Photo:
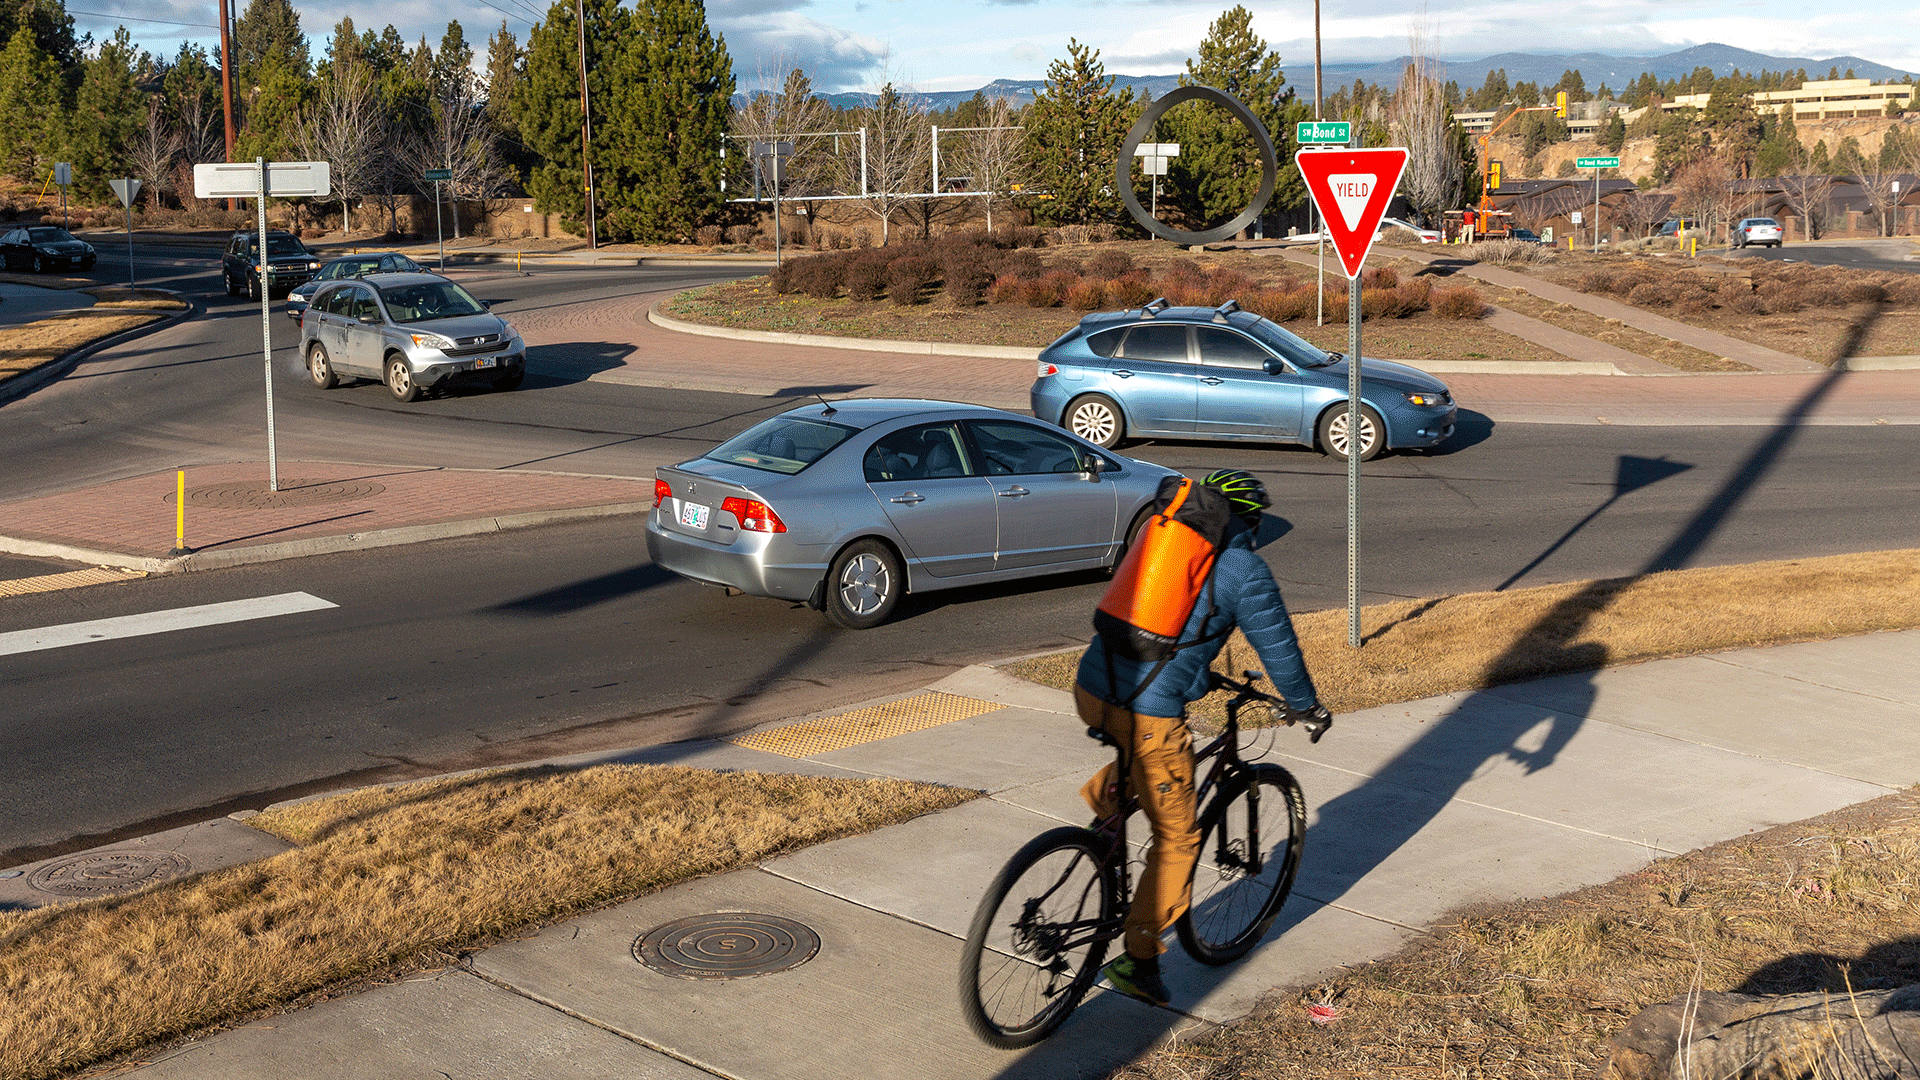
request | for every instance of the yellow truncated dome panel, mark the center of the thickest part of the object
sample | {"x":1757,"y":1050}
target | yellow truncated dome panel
{"x":818,"y":736}
{"x":71,"y":579}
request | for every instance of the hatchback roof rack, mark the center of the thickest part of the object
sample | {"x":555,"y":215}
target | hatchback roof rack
{"x":1220,"y":313}
{"x":1154,"y":307}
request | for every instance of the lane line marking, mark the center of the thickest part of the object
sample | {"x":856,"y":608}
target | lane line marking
{"x":159,"y":622}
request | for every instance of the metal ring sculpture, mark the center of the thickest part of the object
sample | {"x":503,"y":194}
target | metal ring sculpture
{"x":1123,"y":172}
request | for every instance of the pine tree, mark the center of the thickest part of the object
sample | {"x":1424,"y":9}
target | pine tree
{"x":265,"y":36}
{"x":1614,"y":136}
{"x":547,"y":104}
{"x":1074,"y":130}
{"x":506,"y":71}
{"x":671,"y":101}
{"x":106,"y":112}
{"x":51,"y":28}
{"x":1218,"y":171}
{"x":31,"y":112}
{"x":191,"y":88}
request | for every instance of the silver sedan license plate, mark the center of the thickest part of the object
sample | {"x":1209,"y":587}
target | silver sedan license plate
{"x":485,"y":361}
{"x":693,"y":515}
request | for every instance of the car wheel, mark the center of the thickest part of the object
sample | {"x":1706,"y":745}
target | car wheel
{"x":1096,"y":419}
{"x":400,"y":381}
{"x":320,"y":367}
{"x":864,"y":584}
{"x":253,"y":287}
{"x":39,"y":265}
{"x":1133,"y":536}
{"x":511,"y":380}
{"x":1333,"y":433}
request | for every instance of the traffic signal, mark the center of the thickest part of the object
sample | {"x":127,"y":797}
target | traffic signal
{"x":1560,"y":104}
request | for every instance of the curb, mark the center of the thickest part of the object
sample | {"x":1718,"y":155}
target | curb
{"x":28,"y":381}
{"x":319,"y":545}
{"x":992,"y":352}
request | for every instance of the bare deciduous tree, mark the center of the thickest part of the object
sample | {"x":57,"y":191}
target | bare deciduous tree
{"x":1638,"y":211}
{"x":1419,"y":119}
{"x":896,"y":162}
{"x":462,"y":140}
{"x":990,"y":158}
{"x":1808,"y":194}
{"x":1703,"y":191}
{"x":347,"y":128}
{"x":153,"y":151}
{"x":1876,"y":184}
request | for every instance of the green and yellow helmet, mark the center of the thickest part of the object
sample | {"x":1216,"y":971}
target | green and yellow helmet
{"x":1244,"y":492}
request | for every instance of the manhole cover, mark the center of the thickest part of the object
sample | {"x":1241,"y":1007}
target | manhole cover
{"x":101,"y":873}
{"x":728,"y":945}
{"x":258,"y":495}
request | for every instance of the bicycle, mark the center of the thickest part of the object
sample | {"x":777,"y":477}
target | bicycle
{"x":1042,"y":929}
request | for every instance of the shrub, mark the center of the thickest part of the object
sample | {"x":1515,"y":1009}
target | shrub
{"x":1047,"y":290}
{"x":819,"y":276}
{"x":1405,"y":298}
{"x":1184,"y":272}
{"x":1459,"y":302}
{"x":907,"y":275}
{"x":1131,"y":290}
{"x":966,"y":274}
{"x":1746,"y":303}
{"x":1006,"y":290}
{"x":781,"y":280}
{"x":1380,"y":277}
{"x":1650,"y":295}
{"x":1280,"y":304}
{"x":709,"y":235}
{"x":1865,"y":292}
{"x":1087,"y":294}
{"x":741,"y":234}
{"x":1225,"y":284}
{"x":866,"y":276}
{"x":1110,"y":265}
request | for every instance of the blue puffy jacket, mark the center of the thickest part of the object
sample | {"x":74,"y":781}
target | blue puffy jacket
{"x":1242,"y":593}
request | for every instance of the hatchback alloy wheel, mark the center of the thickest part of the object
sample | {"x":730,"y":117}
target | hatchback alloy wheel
{"x":1097,"y":420}
{"x":1333,"y":433}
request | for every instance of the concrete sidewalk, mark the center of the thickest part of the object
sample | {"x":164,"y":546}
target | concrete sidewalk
{"x":1414,"y":810}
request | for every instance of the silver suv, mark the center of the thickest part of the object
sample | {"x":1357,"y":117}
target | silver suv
{"x":415,"y":332}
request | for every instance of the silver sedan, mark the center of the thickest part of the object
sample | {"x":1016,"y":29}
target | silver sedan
{"x":847,"y":506}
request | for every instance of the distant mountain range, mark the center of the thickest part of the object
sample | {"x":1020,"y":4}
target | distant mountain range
{"x":1542,"y":68}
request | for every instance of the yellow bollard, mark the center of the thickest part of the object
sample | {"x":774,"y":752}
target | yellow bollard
{"x":180,"y":514}
{"x":516,"y":262}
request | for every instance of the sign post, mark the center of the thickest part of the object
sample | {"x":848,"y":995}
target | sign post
{"x":775,"y":155}
{"x":1351,"y":189}
{"x":219,"y":180}
{"x":439,"y":234}
{"x":1154,"y":156}
{"x":1596,"y":164}
{"x":63,"y":175}
{"x":128,"y":190}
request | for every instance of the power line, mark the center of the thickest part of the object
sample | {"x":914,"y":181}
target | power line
{"x":163,"y":22}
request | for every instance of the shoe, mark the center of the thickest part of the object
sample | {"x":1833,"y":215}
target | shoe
{"x":1137,"y":978}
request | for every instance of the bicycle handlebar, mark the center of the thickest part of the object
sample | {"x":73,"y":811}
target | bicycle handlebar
{"x":1277,"y":707}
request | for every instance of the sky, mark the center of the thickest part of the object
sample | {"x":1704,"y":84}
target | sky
{"x":964,"y":44}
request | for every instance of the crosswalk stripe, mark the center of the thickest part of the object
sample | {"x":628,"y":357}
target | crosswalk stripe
{"x":159,"y":622}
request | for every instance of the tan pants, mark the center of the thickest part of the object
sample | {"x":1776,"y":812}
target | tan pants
{"x":1160,"y":751}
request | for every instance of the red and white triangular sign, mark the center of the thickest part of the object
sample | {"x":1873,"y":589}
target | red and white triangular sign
{"x":1352,"y":188}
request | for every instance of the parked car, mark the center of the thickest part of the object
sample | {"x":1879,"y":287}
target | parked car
{"x":1526,"y":235}
{"x":1226,"y":374}
{"x":1757,"y":230}
{"x":349,"y":266}
{"x":415,"y":332}
{"x":850,"y":505}
{"x":289,"y":263}
{"x":40,"y":248}
{"x":1427,"y":236}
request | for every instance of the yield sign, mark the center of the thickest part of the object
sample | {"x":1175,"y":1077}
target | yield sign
{"x":1351,"y":188}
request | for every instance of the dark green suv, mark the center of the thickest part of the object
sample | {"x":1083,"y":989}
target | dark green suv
{"x":289,"y":263}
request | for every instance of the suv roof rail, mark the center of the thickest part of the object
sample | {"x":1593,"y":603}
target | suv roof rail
{"x":1220,"y":313}
{"x":1154,"y":307}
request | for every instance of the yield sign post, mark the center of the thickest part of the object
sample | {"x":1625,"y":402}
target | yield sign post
{"x":1351,"y":188}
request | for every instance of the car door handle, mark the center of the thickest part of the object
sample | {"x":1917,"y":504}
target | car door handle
{"x":1014,"y":492}
{"x":1212,"y":380}
{"x":909,"y":498}
{"x":1123,"y":374}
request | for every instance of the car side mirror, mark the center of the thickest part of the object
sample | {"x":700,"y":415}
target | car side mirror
{"x":369,"y":319}
{"x":1276,"y":366}
{"x":1095,"y":466}
{"x":486,"y":305}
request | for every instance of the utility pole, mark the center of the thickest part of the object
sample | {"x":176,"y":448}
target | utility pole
{"x":586,"y":125}
{"x":226,"y":87}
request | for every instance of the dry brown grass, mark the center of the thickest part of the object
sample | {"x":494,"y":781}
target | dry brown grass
{"x":385,"y":874}
{"x":1612,"y":331}
{"x":1534,"y":989}
{"x":1422,"y":648}
{"x":23,"y":348}
{"x":120,"y":296}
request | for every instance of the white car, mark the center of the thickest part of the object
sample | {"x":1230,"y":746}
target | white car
{"x":1387,"y":225}
{"x":1757,"y":230}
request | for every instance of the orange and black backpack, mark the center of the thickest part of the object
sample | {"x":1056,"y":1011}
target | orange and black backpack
{"x":1160,"y":579}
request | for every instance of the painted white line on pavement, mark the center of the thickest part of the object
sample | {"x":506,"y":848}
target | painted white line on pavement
{"x":159,"y":622}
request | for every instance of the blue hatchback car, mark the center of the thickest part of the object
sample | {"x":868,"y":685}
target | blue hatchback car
{"x":1227,"y":374}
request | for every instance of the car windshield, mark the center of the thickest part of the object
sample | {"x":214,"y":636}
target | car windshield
{"x":49,"y":236}
{"x":1293,"y":349}
{"x":784,"y":444}
{"x":280,"y":245}
{"x":429,"y":300}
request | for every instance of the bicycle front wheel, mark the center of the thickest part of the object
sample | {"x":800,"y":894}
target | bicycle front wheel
{"x":1038,"y":938}
{"x":1251,"y":834}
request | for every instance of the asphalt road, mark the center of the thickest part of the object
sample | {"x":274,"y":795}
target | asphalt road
{"x":522,"y":645}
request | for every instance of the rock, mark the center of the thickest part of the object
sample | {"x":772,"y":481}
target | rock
{"x":1872,"y":1035}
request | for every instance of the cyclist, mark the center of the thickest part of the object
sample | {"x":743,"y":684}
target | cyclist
{"x":1152,"y":732}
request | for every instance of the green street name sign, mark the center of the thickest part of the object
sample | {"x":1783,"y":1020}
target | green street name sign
{"x":447,"y":174}
{"x":1597,"y":163}
{"x":1316,"y":131}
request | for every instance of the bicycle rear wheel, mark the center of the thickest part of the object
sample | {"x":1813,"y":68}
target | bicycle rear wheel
{"x":1038,"y":938}
{"x":1251,"y":834}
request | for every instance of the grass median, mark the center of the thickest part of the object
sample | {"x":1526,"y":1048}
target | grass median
{"x":1423,"y":648}
{"x":391,"y":877}
{"x":116,"y":310}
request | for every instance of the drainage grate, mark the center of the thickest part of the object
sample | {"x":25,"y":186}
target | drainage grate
{"x":809,"y":737}
{"x":727,"y":945}
{"x":293,"y":493}
{"x":103,"y":873}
